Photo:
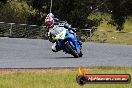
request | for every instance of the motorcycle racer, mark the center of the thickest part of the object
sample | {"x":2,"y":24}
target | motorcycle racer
{"x":54,"y":27}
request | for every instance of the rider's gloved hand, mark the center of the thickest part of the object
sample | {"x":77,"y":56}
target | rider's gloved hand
{"x":73,"y":29}
{"x":67,"y":26}
{"x":51,"y":37}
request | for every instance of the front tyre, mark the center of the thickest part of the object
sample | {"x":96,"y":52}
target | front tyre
{"x":72,"y":51}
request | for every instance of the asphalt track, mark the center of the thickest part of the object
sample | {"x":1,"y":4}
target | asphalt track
{"x":36,"y":53}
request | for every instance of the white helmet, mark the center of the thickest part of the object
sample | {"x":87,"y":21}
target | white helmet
{"x":50,"y":15}
{"x":49,"y":21}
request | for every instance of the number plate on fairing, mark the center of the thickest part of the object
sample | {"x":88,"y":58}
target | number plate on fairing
{"x":61,"y":35}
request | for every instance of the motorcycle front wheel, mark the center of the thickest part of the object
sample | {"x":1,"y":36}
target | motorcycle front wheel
{"x":72,"y":51}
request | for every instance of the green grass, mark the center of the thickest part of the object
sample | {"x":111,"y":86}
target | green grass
{"x":109,"y":37}
{"x":128,"y":25}
{"x":60,"y":79}
{"x":105,"y":32}
{"x":104,"y":25}
{"x":112,"y":37}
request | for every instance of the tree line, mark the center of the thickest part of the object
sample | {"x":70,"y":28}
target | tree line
{"x":75,"y":12}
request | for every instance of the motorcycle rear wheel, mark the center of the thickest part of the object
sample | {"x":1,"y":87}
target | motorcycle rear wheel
{"x":80,"y":54}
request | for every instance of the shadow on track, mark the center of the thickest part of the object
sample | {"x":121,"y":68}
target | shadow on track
{"x":62,"y":57}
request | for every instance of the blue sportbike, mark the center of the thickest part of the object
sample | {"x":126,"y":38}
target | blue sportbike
{"x":68,"y":43}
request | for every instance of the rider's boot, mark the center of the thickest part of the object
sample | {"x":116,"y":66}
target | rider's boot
{"x":54,"y":50}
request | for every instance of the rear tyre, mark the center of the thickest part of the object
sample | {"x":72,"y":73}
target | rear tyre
{"x":72,"y":51}
{"x":80,"y":54}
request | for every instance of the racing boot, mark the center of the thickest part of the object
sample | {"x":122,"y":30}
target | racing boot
{"x":54,"y":50}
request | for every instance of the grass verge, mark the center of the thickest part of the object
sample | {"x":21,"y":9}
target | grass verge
{"x":113,"y":37}
{"x":106,"y":28}
{"x":62,"y":78}
{"x":110,"y":37}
